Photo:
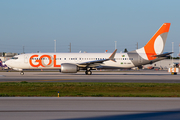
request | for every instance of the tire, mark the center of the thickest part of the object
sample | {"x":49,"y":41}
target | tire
{"x":88,"y":72}
{"x":21,"y":73}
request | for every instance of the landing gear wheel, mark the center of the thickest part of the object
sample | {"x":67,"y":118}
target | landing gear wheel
{"x":88,"y":72}
{"x":21,"y":73}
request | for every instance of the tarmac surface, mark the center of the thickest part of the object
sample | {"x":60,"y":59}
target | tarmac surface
{"x":88,"y":108}
{"x":146,"y":76}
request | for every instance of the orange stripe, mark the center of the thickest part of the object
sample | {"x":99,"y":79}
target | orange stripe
{"x":149,"y":47}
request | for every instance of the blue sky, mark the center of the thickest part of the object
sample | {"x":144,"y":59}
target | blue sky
{"x":89,"y":25}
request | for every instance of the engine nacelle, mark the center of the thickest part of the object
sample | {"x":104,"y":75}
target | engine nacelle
{"x":69,"y":68}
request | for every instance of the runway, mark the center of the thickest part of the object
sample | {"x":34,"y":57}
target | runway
{"x":87,"y":108}
{"x":130,"y":76}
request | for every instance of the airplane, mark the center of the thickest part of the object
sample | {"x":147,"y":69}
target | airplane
{"x":74,"y":62}
{"x":4,"y":66}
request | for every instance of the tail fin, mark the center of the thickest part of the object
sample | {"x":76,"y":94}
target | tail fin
{"x":156,"y":44}
{"x":1,"y":65}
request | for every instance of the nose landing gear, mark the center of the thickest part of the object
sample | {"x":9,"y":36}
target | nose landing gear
{"x":21,"y":73}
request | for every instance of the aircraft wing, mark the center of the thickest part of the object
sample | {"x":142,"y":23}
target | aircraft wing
{"x":162,"y":55}
{"x":99,"y":61}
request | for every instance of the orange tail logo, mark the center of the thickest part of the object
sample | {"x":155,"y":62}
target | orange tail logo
{"x":156,"y":44}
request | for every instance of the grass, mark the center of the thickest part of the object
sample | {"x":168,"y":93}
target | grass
{"x":90,"y":89}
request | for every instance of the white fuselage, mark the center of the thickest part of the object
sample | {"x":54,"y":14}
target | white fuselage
{"x":54,"y":60}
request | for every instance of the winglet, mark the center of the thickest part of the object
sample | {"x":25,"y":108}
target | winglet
{"x":112,"y":55}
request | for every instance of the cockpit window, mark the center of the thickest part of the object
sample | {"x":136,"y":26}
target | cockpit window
{"x":14,"y":57}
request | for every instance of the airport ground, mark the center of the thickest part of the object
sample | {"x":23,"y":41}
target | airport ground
{"x":142,"y":76}
{"x":87,"y":108}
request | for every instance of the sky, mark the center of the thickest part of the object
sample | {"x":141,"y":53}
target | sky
{"x":89,"y":25}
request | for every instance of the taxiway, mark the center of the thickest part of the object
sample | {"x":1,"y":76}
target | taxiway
{"x":130,"y":76}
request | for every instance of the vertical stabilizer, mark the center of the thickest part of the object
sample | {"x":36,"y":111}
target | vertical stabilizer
{"x":156,"y":44}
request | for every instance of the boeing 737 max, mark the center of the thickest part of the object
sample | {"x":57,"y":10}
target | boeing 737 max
{"x":74,"y":62}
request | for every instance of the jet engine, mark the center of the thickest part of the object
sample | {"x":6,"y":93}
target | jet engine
{"x":69,"y":68}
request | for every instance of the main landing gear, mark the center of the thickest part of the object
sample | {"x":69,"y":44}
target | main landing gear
{"x":21,"y":73}
{"x":88,"y":72}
